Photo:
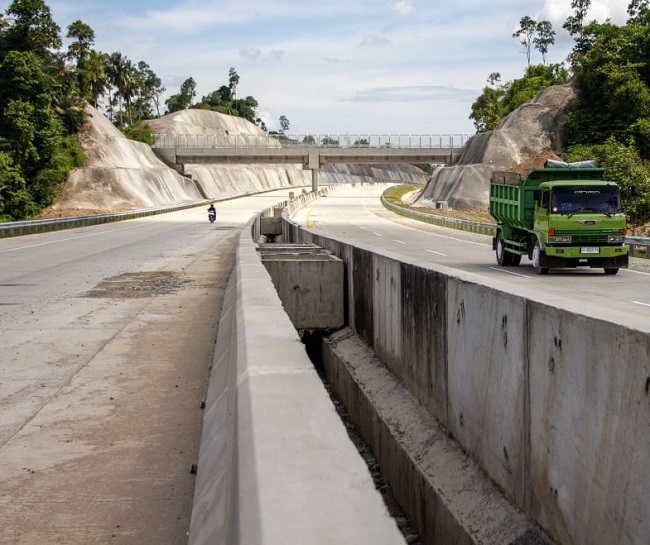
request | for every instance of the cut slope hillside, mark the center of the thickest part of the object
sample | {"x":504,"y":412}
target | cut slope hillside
{"x":120,"y":173}
{"x":530,"y":133}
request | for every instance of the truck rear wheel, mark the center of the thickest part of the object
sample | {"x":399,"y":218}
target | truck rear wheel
{"x":503,"y":257}
{"x":537,"y":257}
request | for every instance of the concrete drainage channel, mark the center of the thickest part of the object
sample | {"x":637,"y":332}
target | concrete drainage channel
{"x":310,"y":283}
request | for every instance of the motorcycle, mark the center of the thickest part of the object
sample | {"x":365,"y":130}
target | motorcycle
{"x":212,"y":215}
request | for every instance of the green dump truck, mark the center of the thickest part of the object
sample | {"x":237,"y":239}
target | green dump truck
{"x":562,"y":215}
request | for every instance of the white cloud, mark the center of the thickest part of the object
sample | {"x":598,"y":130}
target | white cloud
{"x":402,"y":7}
{"x":557,"y":11}
{"x":255,"y":54}
{"x":374,"y":41}
{"x":412,"y":94}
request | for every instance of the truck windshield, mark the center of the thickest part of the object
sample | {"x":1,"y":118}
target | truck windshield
{"x":575,"y":199}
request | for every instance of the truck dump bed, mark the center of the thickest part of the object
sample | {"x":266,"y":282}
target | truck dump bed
{"x":506,"y":196}
{"x":511,"y":197}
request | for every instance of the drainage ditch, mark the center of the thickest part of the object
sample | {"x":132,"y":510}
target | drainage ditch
{"x":313,"y":341}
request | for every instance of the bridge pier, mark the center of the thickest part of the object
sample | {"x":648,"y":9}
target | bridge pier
{"x":313,"y":164}
{"x":314,"y":180}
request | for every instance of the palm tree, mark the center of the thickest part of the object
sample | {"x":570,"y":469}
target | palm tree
{"x":120,"y":71}
{"x":96,"y":75}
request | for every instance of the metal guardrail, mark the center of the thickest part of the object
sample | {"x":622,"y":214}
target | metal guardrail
{"x":411,"y":141}
{"x":29,"y":227}
{"x":632,"y":242}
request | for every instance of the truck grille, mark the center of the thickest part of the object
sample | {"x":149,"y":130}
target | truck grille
{"x":582,"y":238}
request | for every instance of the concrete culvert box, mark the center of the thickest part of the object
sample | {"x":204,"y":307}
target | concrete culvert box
{"x":271,"y":226}
{"x":309,"y":281}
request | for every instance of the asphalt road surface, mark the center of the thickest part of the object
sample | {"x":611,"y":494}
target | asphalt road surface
{"x":107,"y":335}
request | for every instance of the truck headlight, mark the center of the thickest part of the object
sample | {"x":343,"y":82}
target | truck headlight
{"x":615,"y":239}
{"x":559,"y":240}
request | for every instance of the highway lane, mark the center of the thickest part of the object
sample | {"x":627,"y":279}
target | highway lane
{"x":39,"y":269}
{"x":356,"y":216}
{"x":106,"y":339}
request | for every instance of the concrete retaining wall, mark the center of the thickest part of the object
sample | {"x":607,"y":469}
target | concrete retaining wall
{"x":553,"y":405}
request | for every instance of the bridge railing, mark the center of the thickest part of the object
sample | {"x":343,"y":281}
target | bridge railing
{"x":411,"y":141}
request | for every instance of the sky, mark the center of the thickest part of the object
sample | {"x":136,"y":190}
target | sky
{"x":333,"y":66}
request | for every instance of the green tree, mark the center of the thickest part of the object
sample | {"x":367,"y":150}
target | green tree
{"x":614,"y":84}
{"x":635,"y":7}
{"x":536,"y":77}
{"x":139,"y":131}
{"x":623,"y":164}
{"x":149,"y":92}
{"x":246,"y":107}
{"x":486,"y":109}
{"x":525,"y":34}
{"x":233,"y":81}
{"x":32,"y":135}
{"x":95,"y":75}
{"x":224,"y":100}
{"x":15,"y":199}
{"x":284,"y":124}
{"x":182,"y":100}
{"x":115,"y":74}
{"x":575,"y":26}
{"x":544,"y":37}
{"x":32,"y":28}
{"x":83,"y":37}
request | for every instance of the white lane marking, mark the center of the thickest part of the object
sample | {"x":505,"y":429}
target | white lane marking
{"x":399,"y":241}
{"x":636,"y":272}
{"x":437,"y":253}
{"x":72,"y":238}
{"x":640,"y":303}
{"x":485,"y":245}
{"x":350,"y":222}
{"x":498,"y":269}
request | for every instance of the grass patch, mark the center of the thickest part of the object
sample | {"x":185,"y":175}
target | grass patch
{"x":394,"y":196}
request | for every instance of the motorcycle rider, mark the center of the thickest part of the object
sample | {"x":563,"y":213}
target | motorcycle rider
{"x":212,"y":210}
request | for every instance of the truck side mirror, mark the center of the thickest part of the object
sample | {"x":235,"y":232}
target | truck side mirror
{"x":537,"y":195}
{"x":634,"y":191}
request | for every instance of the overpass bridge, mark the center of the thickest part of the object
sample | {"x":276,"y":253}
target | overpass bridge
{"x":313,"y":152}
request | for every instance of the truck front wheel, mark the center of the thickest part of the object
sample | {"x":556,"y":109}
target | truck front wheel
{"x":611,"y":271}
{"x":537,"y":257}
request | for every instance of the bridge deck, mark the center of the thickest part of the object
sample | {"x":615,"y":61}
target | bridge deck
{"x":311,"y":152}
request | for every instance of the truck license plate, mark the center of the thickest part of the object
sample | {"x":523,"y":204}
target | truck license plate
{"x":589,"y":250}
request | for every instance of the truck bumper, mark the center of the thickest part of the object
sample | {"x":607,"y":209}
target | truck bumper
{"x":601,"y":262}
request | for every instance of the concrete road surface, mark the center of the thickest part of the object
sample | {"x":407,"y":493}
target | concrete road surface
{"x":107,"y":335}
